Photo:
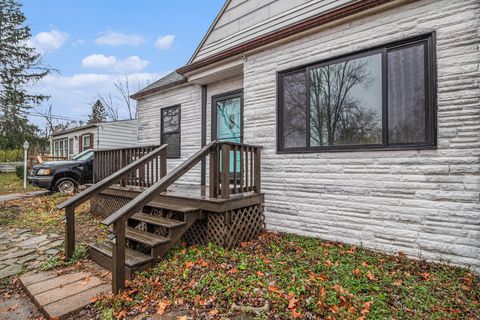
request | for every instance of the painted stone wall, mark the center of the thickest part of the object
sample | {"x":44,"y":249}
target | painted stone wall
{"x":424,"y":203}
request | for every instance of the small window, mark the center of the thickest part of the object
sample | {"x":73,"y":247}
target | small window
{"x":86,"y":142}
{"x":379,"y":98}
{"x":55,"y":148}
{"x":63,"y":148}
{"x":70,"y":146}
{"x":170,"y":130}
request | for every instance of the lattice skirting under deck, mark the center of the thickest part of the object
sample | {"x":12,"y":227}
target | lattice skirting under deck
{"x":228,"y":229}
{"x":103,"y":205}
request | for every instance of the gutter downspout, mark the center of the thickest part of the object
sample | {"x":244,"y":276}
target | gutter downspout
{"x":98,"y":137}
{"x":203,"y":167}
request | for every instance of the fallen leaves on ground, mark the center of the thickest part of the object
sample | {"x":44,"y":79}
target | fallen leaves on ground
{"x":41,"y":214}
{"x":162,"y":306}
{"x":300,"y":278}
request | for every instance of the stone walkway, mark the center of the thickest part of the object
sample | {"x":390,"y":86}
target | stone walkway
{"x":22,"y":250}
{"x":16,"y":196}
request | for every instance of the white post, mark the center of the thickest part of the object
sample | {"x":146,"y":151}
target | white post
{"x":25,"y":148}
{"x":25,"y":169}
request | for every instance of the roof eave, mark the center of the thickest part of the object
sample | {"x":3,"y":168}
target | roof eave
{"x":148,"y":92}
{"x":74,"y":129}
{"x":281,"y":34}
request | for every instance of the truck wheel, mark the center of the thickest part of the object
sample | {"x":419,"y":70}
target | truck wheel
{"x":66,"y":185}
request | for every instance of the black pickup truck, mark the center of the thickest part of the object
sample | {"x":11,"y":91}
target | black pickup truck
{"x":64,"y":176}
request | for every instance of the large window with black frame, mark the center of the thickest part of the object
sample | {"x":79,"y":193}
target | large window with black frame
{"x":383,"y":98}
{"x":170,"y":130}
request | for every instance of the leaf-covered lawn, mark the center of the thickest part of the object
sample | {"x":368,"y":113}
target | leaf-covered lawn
{"x":300,"y":277}
{"x":10,"y":183}
{"x":41,"y":214}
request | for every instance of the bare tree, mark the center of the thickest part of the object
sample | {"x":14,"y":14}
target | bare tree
{"x":337,"y":117}
{"x":56,"y":123}
{"x":49,"y":119}
{"x":121,"y":100}
{"x":110,"y":106}
{"x":123,"y":88}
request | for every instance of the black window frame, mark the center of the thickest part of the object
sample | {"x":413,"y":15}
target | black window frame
{"x":162,"y":133}
{"x":430,"y":99}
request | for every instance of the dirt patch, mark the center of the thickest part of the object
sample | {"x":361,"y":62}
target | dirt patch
{"x":15,"y":303}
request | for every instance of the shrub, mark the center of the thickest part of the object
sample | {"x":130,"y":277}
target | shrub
{"x":19,"y":171}
{"x":11,"y":155}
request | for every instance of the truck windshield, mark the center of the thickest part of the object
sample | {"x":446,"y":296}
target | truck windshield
{"x":85,"y":155}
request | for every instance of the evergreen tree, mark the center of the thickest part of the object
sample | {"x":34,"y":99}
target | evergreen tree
{"x":20,"y":67}
{"x":99,"y":113}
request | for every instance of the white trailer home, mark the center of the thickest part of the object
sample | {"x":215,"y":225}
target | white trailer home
{"x":368,"y":112}
{"x":105,"y":135}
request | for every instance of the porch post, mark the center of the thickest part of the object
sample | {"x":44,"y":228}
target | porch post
{"x":69,"y":231}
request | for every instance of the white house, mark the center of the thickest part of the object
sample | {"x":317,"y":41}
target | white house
{"x":113,"y":134}
{"x":368,"y":112}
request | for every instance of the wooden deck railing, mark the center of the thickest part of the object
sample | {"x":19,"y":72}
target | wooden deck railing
{"x":108,"y":161}
{"x":244,"y":174}
{"x":157,"y":156}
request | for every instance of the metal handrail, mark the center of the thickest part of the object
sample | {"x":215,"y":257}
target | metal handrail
{"x":110,"y":180}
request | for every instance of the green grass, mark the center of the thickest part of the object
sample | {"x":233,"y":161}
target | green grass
{"x":10,"y":183}
{"x":41,"y":214}
{"x":56,"y":261}
{"x":38,"y":213}
{"x":305,"y":278}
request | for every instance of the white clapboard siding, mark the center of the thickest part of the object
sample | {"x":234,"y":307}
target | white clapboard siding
{"x":244,"y":20}
{"x":189,"y":99}
{"x":116,"y":134}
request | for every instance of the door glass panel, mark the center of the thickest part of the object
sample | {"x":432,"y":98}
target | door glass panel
{"x":229,"y":125}
{"x":228,"y":119}
{"x":171,"y":120}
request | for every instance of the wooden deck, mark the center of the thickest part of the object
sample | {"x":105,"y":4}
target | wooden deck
{"x":150,"y":210}
{"x":191,"y":195}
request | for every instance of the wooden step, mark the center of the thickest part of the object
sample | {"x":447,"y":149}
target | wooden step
{"x":147,"y":238}
{"x":158,"y":221}
{"x":101,"y":253}
{"x":133,"y":258}
{"x":172,"y":207}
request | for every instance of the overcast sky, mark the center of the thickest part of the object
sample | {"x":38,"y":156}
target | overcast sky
{"x":93,"y":42}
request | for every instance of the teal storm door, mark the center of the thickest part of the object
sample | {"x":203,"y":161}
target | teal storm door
{"x":227,"y":120}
